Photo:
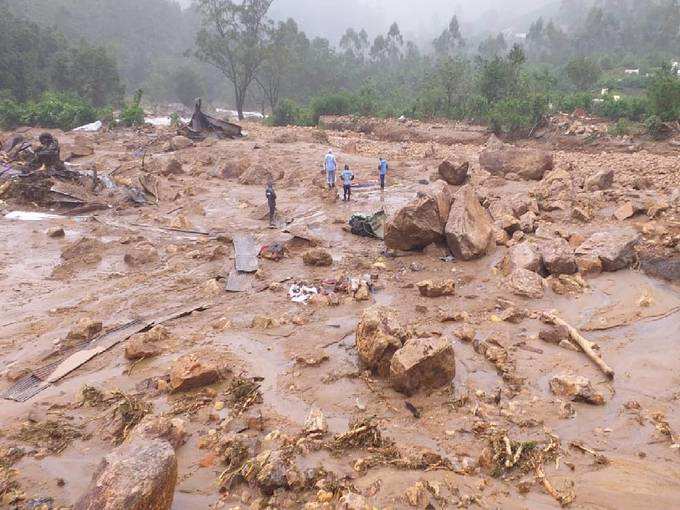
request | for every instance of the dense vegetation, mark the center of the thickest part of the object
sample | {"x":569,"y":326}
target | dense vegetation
{"x":508,"y":80}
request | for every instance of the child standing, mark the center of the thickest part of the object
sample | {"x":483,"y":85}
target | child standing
{"x":347,"y":178}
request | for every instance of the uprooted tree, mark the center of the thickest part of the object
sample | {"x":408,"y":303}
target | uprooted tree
{"x":234,"y":40}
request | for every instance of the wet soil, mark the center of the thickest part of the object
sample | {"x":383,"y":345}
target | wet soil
{"x":308,"y":358}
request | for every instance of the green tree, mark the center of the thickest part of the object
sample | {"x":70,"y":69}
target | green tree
{"x":234,"y":40}
{"x":663,"y":93}
{"x":186,"y":85}
{"x":583,"y":72}
{"x":450,"y":40}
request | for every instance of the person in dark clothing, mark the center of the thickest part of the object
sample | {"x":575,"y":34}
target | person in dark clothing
{"x":271,"y":201}
{"x":382,"y":169}
{"x":48,"y":154}
{"x":347,"y":177}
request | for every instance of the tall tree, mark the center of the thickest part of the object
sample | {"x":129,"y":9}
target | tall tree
{"x":234,"y":40}
{"x":450,"y":39}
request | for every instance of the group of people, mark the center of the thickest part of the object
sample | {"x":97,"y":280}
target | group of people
{"x":330,"y":166}
{"x":346,"y":176}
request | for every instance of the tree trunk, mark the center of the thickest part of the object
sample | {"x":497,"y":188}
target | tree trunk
{"x":240,"y":98}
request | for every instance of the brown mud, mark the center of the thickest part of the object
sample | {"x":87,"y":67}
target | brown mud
{"x":306,"y":357}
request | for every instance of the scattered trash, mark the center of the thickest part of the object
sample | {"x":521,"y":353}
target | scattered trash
{"x":301,"y":293}
{"x":90,"y":128}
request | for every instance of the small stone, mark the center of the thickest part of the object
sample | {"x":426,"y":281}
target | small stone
{"x":523,"y":282}
{"x":180,"y":142}
{"x":466,"y":334}
{"x":317,"y":257}
{"x":422,"y":363}
{"x":85,"y":329}
{"x":604,"y":179}
{"x":431,"y":289}
{"x":56,"y":232}
{"x":624,"y":212}
{"x":316,"y":424}
{"x":589,"y":264}
{"x":192,"y":371}
{"x":378,"y":336}
{"x":577,"y":388}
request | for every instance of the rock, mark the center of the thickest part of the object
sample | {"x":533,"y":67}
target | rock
{"x":527,"y":222}
{"x":141,"y":255}
{"x":140,"y":475}
{"x":422,"y":363}
{"x":378,"y":336}
{"x":527,"y":163}
{"x":466,"y":334}
{"x":615,"y":248}
{"x":415,"y":225}
{"x":604,"y":179}
{"x":523,"y":282}
{"x":454,"y":173}
{"x":181,"y":222}
{"x":259,"y":174}
{"x":558,"y":256}
{"x":523,"y":256}
{"x":554,"y":334}
{"x":180,"y":142}
{"x":353,"y":501}
{"x":624,"y":212}
{"x":191,"y":371}
{"x":316,"y":422}
{"x":317,"y":257}
{"x":160,"y":427}
{"x":581,"y":214}
{"x":55,"y":233}
{"x":469,"y":230}
{"x":174,"y":167}
{"x":444,"y":196}
{"x":363,"y":292}
{"x":272,"y":475}
{"x":577,"y":388}
{"x":85,"y":329}
{"x":145,"y":345}
{"x":589,"y":264}
{"x":431,"y":289}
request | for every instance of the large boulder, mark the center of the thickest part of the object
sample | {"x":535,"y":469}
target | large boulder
{"x":139,"y":475}
{"x":415,"y":225}
{"x":455,"y":173}
{"x":469,"y":230}
{"x":527,"y":163}
{"x":422,"y":363}
{"x":615,"y":248}
{"x":523,"y":256}
{"x":378,"y":336}
{"x":558,"y":256}
{"x":525,"y":283}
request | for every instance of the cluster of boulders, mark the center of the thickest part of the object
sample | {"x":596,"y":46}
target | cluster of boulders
{"x":443,"y":215}
{"x":389,"y":350}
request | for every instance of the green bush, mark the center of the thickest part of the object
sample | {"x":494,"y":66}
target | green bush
{"x":631,"y":108}
{"x":655,"y":127}
{"x":286,"y":113}
{"x":53,"y":110}
{"x":664,"y":94}
{"x":332,"y":104}
{"x":133,"y":113}
{"x":621,"y":128}
{"x":517,"y":115}
{"x":571,"y":102}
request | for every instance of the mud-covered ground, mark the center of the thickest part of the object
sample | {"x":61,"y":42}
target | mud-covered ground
{"x":147,"y":262}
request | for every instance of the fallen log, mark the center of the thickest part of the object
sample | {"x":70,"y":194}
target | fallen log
{"x":585,"y":345}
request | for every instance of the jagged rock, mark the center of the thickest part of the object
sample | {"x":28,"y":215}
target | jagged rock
{"x":139,"y":475}
{"x":504,"y":217}
{"x":624,"y":212}
{"x":192,"y":371}
{"x":581,"y":214}
{"x":140,"y":255}
{"x":558,"y":256}
{"x":523,"y":256}
{"x":180,"y":142}
{"x":160,"y":427}
{"x":615,"y":248}
{"x":469,"y":230}
{"x":146,"y":345}
{"x":589,"y":264}
{"x":317,"y":257}
{"x":56,"y":232}
{"x":577,"y":388}
{"x":272,"y":475}
{"x":260,"y":174}
{"x":431,"y":289}
{"x":444,"y":196}
{"x":173,"y":167}
{"x":523,"y":282}
{"x":416,"y":225}
{"x":466,"y":334}
{"x":422,"y":363}
{"x":378,"y":336}
{"x":316,"y":422}
{"x":454,"y":173}
{"x":604,"y":179}
{"x":527,"y":163}
{"x":85,"y":329}
{"x":527,"y":222}
{"x":354,"y":501}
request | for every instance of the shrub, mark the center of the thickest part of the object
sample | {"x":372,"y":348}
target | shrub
{"x":286,"y":113}
{"x":621,"y":128}
{"x":631,"y":108}
{"x":655,"y":127}
{"x":331,"y":104}
{"x":518,"y":114}
{"x":664,"y":94}
{"x":133,"y":113}
{"x":53,"y":110}
{"x":571,"y":102}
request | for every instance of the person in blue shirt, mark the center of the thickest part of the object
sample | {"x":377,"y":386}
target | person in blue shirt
{"x":347,"y":177}
{"x":382,"y":169}
{"x":331,"y":165}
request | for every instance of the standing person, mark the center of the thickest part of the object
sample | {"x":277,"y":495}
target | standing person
{"x":331,"y":165}
{"x":271,"y":201}
{"x":382,"y":169}
{"x":347,"y":178}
